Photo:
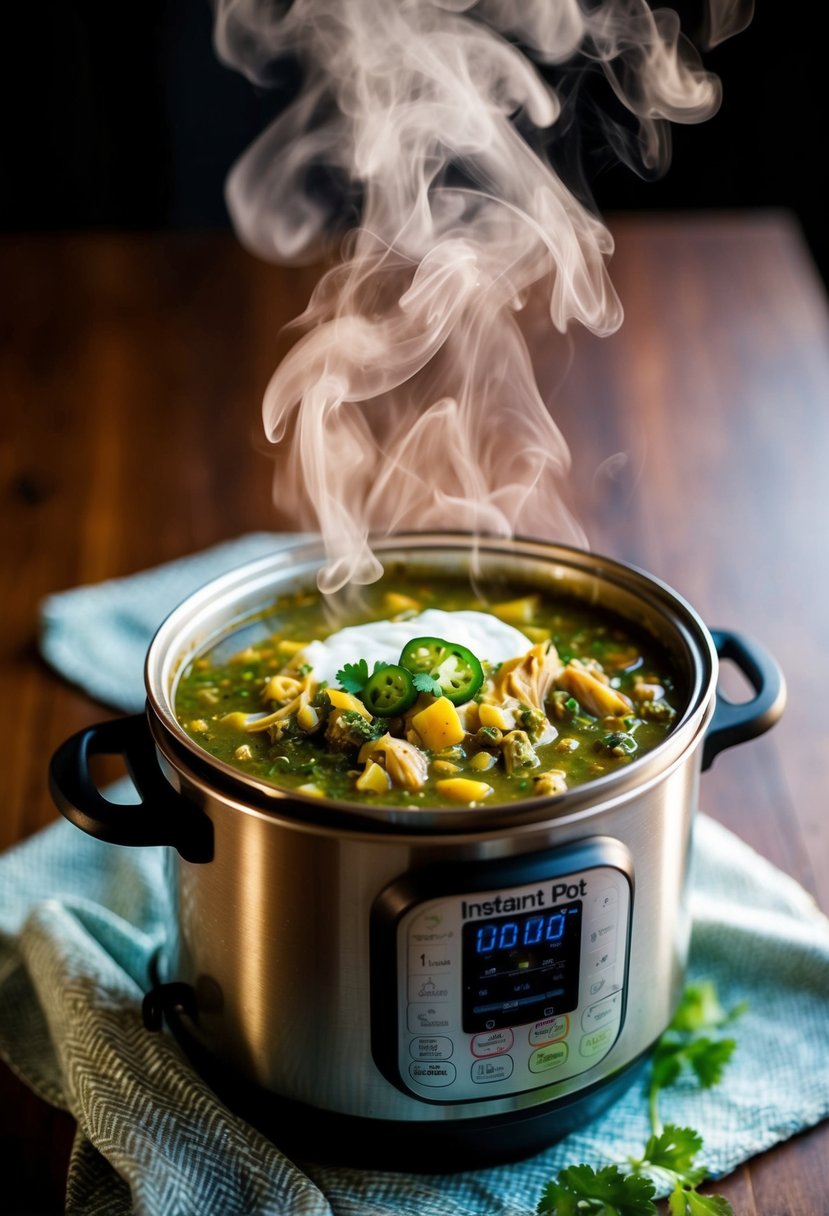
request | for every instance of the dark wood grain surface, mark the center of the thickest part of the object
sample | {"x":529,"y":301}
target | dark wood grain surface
{"x":130,"y":384}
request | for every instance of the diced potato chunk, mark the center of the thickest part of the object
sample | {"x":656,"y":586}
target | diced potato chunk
{"x":310,"y":788}
{"x":536,"y":633}
{"x":287,"y":647}
{"x":243,"y":752}
{"x":463,"y":789}
{"x":517,"y":612}
{"x":341,"y":699}
{"x":374,"y":779}
{"x":495,"y":715}
{"x":438,"y":725}
{"x":396,"y":602}
{"x":483,"y":761}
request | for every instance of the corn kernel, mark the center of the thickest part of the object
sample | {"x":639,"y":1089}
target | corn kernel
{"x":445,"y":766}
{"x":307,"y":717}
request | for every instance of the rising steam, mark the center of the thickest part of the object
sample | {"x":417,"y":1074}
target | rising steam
{"x":410,"y":402}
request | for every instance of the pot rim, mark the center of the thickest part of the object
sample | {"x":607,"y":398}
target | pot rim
{"x":203,"y":617}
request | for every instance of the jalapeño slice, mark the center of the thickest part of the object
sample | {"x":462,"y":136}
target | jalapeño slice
{"x":389,"y":691}
{"x":453,"y":666}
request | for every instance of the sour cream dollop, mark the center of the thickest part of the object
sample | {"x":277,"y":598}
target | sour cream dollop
{"x":488,"y":638}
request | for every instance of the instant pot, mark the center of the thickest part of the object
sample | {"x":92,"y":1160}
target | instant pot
{"x":338,"y":972}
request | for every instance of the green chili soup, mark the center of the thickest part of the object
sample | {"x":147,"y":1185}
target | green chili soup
{"x":431,"y":696}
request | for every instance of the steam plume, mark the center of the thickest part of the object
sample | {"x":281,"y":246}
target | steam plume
{"x":410,"y":401}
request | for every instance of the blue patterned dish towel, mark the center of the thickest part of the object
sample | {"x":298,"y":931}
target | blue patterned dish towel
{"x":80,"y":921}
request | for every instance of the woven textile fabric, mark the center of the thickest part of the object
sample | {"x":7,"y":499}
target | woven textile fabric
{"x":80,"y":921}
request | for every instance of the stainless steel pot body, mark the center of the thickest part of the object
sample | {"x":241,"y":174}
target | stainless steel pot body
{"x":295,"y":916}
{"x":274,"y":938}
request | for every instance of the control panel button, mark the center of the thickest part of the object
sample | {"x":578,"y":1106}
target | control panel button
{"x":598,"y":959}
{"x":604,"y":903}
{"x":597,"y":1042}
{"x":486,"y":1072}
{"x":603,"y":983}
{"x":607,"y":1010}
{"x":552,"y":1056}
{"x":492,"y":1042}
{"x":423,"y":1018}
{"x":548,"y":1030}
{"x":432,"y":926}
{"x":431,"y":1047}
{"x":600,"y":933}
{"x":432,"y":988}
{"x":436,"y":1074}
{"x":433,"y":960}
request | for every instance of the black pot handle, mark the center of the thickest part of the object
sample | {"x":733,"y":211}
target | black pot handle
{"x":737,"y":721}
{"x":162,"y":816}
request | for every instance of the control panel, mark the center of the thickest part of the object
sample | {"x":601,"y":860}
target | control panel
{"x":499,"y":989}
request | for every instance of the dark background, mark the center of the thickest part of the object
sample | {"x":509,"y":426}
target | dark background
{"x":118,"y":115}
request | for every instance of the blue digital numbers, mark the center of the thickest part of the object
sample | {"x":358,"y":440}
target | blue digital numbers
{"x":528,"y":931}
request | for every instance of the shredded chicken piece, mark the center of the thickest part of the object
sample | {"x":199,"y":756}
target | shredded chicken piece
{"x":648,"y":690}
{"x":518,"y":752}
{"x":282,"y":688}
{"x":597,"y":697}
{"x":551,"y":783}
{"x":254,"y":725}
{"x":406,"y":764}
{"x":529,"y":678}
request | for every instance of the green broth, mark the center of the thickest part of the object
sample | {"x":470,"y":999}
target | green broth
{"x":587,"y":744}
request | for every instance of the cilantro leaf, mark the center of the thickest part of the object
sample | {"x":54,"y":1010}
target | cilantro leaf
{"x":707,"y":1205}
{"x":685,"y":1202}
{"x":708,"y":1058}
{"x":674,"y":1149}
{"x":580,"y":1189}
{"x":685,"y":1048}
{"x":700,"y":1009}
{"x":423,"y":682}
{"x":353,"y":677}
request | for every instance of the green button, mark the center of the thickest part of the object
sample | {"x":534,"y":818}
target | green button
{"x":548,"y":1057}
{"x":597,"y":1042}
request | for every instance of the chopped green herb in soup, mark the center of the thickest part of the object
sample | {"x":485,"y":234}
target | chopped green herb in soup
{"x":432,"y":697}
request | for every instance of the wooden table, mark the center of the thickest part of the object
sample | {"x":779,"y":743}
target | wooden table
{"x":132,"y":373}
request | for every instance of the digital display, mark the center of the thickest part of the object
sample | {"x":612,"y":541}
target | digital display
{"x":519,"y":969}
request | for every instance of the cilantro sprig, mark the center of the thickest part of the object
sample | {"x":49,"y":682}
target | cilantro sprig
{"x":353,"y":677}
{"x":688,"y":1046}
{"x":691,"y":1046}
{"x":579,"y":1190}
{"x":423,"y":682}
